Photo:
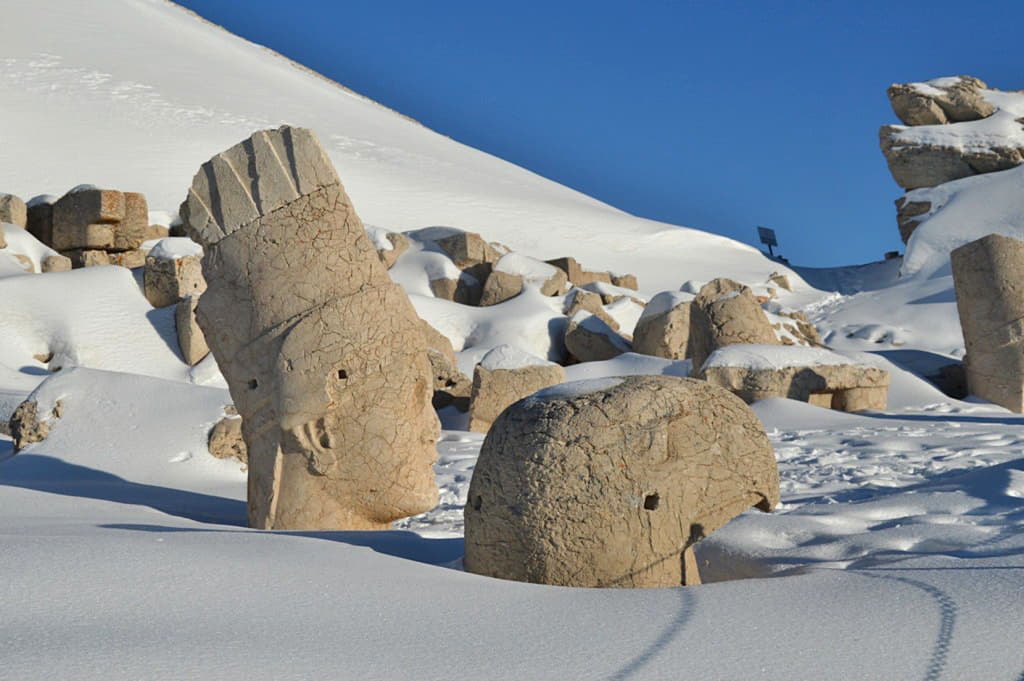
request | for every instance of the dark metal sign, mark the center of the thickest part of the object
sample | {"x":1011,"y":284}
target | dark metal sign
{"x":767,"y":236}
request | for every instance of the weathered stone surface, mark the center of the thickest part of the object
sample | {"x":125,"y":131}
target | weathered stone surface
{"x":56,"y":263}
{"x":323,"y":354}
{"x":87,"y":258}
{"x":937,"y":102}
{"x":819,"y":377}
{"x":87,"y":219}
{"x":663,"y":329}
{"x":451,"y":386}
{"x":505,"y":376}
{"x":723,"y":313}
{"x":465,"y":290}
{"x":551,"y":280}
{"x":27,"y":425}
{"x":226,"y":441}
{"x":40,"y":218}
{"x":988,"y":275}
{"x":589,"y":339}
{"x":129,"y":259}
{"x":155,"y":232}
{"x":580,"y":299}
{"x":909,"y":214}
{"x":168,"y":280}
{"x":13,"y":210}
{"x":501,"y":286}
{"x":926,"y":165}
{"x":609,"y":483}
{"x":133,"y":228}
{"x":467,"y":249}
{"x":191,"y":340}
{"x":399,"y":245}
{"x":625,"y":281}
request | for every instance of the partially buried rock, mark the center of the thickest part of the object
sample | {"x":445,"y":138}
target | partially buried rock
{"x":226,"y":441}
{"x":609,"y":483}
{"x":663,"y":329}
{"x":13,"y":210}
{"x":451,"y":386}
{"x":323,"y":354}
{"x":56,"y":263}
{"x":506,"y":375}
{"x":89,"y":218}
{"x":28,"y":426}
{"x":173,"y":271}
{"x":589,"y":339}
{"x":580,"y":299}
{"x":723,"y":313}
{"x":499,"y":287}
{"x":191,"y":340}
{"x":943,"y":100}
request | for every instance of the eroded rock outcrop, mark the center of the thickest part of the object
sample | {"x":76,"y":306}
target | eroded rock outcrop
{"x":609,"y":483}
{"x":324,"y":356}
{"x":988,"y":275}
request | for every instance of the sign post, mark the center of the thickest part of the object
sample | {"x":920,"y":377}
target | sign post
{"x":768,"y":239}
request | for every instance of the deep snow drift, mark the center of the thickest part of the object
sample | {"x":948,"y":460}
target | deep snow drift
{"x":898,"y":551}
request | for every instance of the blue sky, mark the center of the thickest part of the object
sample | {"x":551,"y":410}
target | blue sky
{"x":716,"y":115}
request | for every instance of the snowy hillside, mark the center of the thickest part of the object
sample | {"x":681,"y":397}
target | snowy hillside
{"x":897,"y":551}
{"x":146,"y":124}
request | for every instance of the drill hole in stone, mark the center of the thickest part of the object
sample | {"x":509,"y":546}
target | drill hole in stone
{"x":477,"y":502}
{"x":253,"y":384}
{"x":651,"y":502}
{"x":342,"y":374}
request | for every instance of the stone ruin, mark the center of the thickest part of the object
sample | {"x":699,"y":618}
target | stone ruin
{"x":324,"y":356}
{"x":988,"y":275}
{"x":915,"y":165}
{"x":503,"y":376}
{"x":814,"y":375}
{"x":610,"y":483}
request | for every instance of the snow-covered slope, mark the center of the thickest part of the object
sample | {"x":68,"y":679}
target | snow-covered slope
{"x":139,"y":93}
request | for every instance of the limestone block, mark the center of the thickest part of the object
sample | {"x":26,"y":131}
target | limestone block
{"x":87,"y":219}
{"x":465,"y":290}
{"x":191,"y":340}
{"x":814,"y":375}
{"x":625,"y":281}
{"x":663,"y":329}
{"x":725,"y":312}
{"x":13,"y":210}
{"x":467,"y":249}
{"x":551,"y":280}
{"x":156,"y":232}
{"x":168,"y":280}
{"x":133,"y":228}
{"x":323,"y":354}
{"x":988,"y":275}
{"x":87,"y":258}
{"x":499,"y":287}
{"x":28,"y":426}
{"x":609,"y":483}
{"x":936,"y":103}
{"x":40,"y":219}
{"x":504,"y":376}
{"x":580,"y":299}
{"x":56,"y":263}
{"x":226,"y":441}
{"x":781,"y":280}
{"x":589,"y":339}
{"x":914,"y":165}
{"x":129,"y":259}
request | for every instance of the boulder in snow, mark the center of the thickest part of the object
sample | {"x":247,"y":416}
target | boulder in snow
{"x":590,"y":339}
{"x":27,"y":425}
{"x":506,"y":375}
{"x":169,"y":277}
{"x":815,"y":375}
{"x":226,"y":441}
{"x":664,"y":327}
{"x":943,"y":100}
{"x":56,"y":263}
{"x":499,"y":287}
{"x":451,"y":386}
{"x":580,"y":299}
{"x":99,"y":219}
{"x":13,"y":210}
{"x":725,"y":312}
{"x":610,"y":482}
{"x":323,"y":354}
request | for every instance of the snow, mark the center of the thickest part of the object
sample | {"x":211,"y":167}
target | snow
{"x":20,"y":242}
{"x":175,"y":248}
{"x":573,"y":389}
{"x":1001,"y":129}
{"x":508,"y":357}
{"x":897,"y":551}
{"x":532,"y":271}
{"x":665,"y":301}
{"x":769,"y":357}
